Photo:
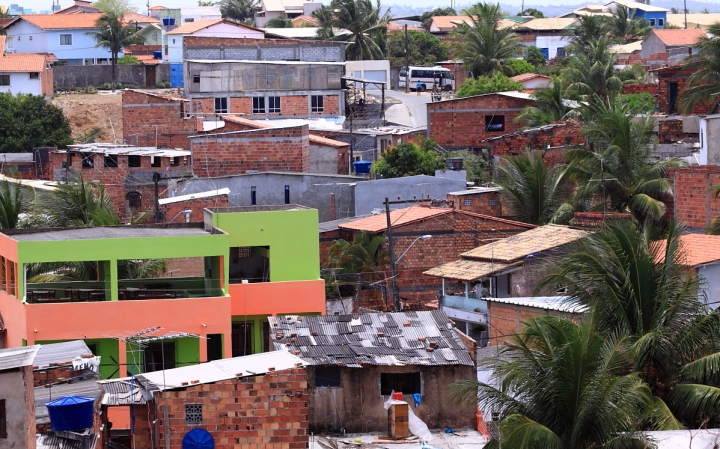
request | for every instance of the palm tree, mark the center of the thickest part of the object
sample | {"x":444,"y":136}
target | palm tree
{"x":88,"y":270}
{"x":484,"y":46}
{"x":589,"y":28}
{"x":78,"y":203}
{"x":561,"y":385}
{"x":704,"y":84}
{"x":12,"y":204}
{"x":279,"y":22}
{"x":113,"y":34}
{"x":534,"y":191}
{"x":639,"y":288}
{"x":619,"y":172}
{"x":240,"y":10}
{"x":364,"y":27}
{"x":550,"y":106}
{"x":592,"y":73}
{"x":625,"y":26}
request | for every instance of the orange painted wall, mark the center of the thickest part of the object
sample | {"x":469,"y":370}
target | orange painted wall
{"x":274,"y":298}
{"x":13,"y":313}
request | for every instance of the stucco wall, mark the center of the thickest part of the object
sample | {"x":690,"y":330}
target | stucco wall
{"x":16,"y":387}
{"x":358,"y":406}
{"x":81,"y":76}
{"x":20,"y":83}
{"x":371,"y":194}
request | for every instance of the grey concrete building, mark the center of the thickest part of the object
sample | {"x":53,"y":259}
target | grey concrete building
{"x":371,"y":195}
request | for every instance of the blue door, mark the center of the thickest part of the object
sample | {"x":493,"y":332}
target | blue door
{"x":176,"y":75}
{"x":545,"y":52}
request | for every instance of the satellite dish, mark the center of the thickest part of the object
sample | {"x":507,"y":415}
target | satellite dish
{"x":198,"y":439}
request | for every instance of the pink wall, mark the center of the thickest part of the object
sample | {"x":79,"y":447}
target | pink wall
{"x":273,"y":298}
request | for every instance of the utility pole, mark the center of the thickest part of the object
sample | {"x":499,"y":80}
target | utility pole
{"x":685,"y":12}
{"x":407,"y":61}
{"x":393,"y":278}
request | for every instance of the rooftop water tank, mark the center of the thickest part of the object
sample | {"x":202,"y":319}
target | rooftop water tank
{"x":71,"y":413}
{"x":198,"y":439}
{"x":362,"y":167}
{"x":157,"y":54}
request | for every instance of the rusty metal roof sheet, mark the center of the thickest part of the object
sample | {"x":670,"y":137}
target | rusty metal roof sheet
{"x":392,"y":339}
{"x":124,"y":391}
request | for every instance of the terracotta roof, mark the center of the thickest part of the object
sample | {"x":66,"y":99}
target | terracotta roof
{"x":5,"y":20}
{"x":132,"y":17}
{"x":398,"y":217}
{"x":307,"y":18}
{"x":158,"y":7}
{"x":60,"y":21}
{"x":679,"y":37}
{"x":2,"y":45}
{"x":448,"y":23}
{"x":23,"y":62}
{"x":192,"y":27}
{"x":467,"y":270}
{"x":527,"y":77}
{"x":148,"y":59}
{"x":328,"y":142}
{"x":698,"y":249}
{"x":555,"y":23}
{"x":526,"y":243}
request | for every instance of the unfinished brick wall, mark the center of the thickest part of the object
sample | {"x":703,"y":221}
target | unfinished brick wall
{"x":678,"y":75}
{"x":639,"y":88}
{"x":556,"y":136}
{"x":267,"y":149}
{"x":671,"y":131}
{"x":152,"y":120}
{"x":507,"y":319}
{"x":693,"y":203}
{"x":174,"y":211}
{"x":250,"y":412}
{"x":461,"y":123}
{"x":487,"y":203}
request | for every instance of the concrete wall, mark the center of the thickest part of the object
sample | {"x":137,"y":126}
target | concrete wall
{"x":221,"y":30}
{"x":710,"y":274}
{"x":710,"y":140}
{"x":358,"y":406}
{"x":324,"y":158}
{"x":262,"y":50}
{"x":16,"y":388}
{"x":374,"y":70}
{"x":311,"y":190}
{"x":650,"y":45}
{"x":82,"y":76}
{"x":370,"y":195}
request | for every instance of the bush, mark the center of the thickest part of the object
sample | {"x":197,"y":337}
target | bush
{"x":642,"y":103}
{"x":28,"y":121}
{"x":487,"y":85}
{"x":408,"y":159}
{"x":128,"y":59}
{"x":520,"y":66}
{"x":163,"y":85}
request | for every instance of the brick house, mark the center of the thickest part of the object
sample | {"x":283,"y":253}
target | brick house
{"x":369,"y":356}
{"x":506,"y":268}
{"x":265,"y":89}
{"x":693,"y":203}
{"x":675,"y":42}
{"x":553,"y":139}
{"x":465,"y":122}
{"x":671,"y":84}
{"x":255,"y":401}
{"x":481,"y":200}
{"x":452,"y":232}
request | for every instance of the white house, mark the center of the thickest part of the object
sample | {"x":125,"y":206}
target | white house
{"x":271,"y":9}
{"x":206,"y":28}
{"x":533,"y":81}
{"x":26,"y":73}
{"x":63,"y":35}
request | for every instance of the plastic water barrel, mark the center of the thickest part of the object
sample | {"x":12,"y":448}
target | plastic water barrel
{"x":71,"y":413}
{"x":157,"y":54}
{"x":198,"y":439}
{"x":362,"y":166}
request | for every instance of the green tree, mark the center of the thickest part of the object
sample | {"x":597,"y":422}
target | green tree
{"x":12,"y":204}
{"x":427,"y":16}
{"x":484,"y":46}
{"x":240,"y":10}
{"x":561,"y":385}
{"x":642,"y":103}
{"x":78,"y":203}
{"x":625,"y":27}
{"x":278,"y":22}
{"x":205,"y":3}
{"x":114,"y":35}
{"x":324,"y":16}
{"x":365,"y":28}
{"x":487,"y":84}
{"x":29,"y":121}
{"x":128,"y":60}
{"x":704,"y":84}
{"x":476,"y":165}
{"x":532,"y":12}
{"x":408,"y":159}
{"x":520,"y":66}
{"x":639,"y":288}
{"x":590,"y":28}
{"x":424,"y":49}
{"x":550,"y":106}
{"x":592,"y":73}
{"x":535,"y":57}
{"x":534,"y":192}
{"x":116,"y":7}
{"x":356,"y":262}
{"x":617,"y":171}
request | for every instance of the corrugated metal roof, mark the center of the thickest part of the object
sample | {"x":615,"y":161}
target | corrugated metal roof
{"x":17,"y":357}
{"x":57,"y":441}
{"x":193,"y":196}
{"x":476,"y":191}
{"x":87,"y":388}
{"x":558,"y":303}
{"x":395,"y":339}
{"x":60,"y":353}
{"x":218,"y":370}
{"x":124,"y":391}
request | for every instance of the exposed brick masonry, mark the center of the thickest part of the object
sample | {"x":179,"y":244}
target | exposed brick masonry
{"x":693,"y":203}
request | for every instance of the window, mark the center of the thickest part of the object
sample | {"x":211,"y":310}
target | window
{"x":189,"y":19}
{"x":221,"y":106}
{"x":196,"y":79}
{"x":274,"y":105}
{"x":87,"y":160}
{"x":111,"y":160}
{"x":159,"y":356}
{"x":34,"y":75}
{"x":66,"y":39}
{"x":214,"y":347}
{"x":155,"y":161}
{"x":327,"y":376}
{"x":134,"y":200}
{"x":467,"y":202}
{"x":193,"y":413}
{"x":3,"y":420}
{"x":406,"y":383}
{"x":4,"y":80}
{"x":175,"y":161}
{"x":493,"y":202}
{"x":661,"y":22}
{"x":134,"y":161}
{"x":258,"y":105}
{"x":652,"y":22}
{"x":494,"y":123}
{"x":317,"y":103}
{"x":253,"y":196}
{"x":287,"y":194}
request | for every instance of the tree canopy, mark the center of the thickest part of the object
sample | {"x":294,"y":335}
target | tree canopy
{"x":427,"y":16}
{"x":424,"y":49}
{"x":365,"y":24}
{"x":487,"y":85}
{"x":29,"y":121}
{"x":114,"y":35}
{"x":240,"y":10}
{"x":532,"y":12}
{"x":407,"y":159}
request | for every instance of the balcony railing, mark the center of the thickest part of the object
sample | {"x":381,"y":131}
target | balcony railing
{"x":465,"y":303}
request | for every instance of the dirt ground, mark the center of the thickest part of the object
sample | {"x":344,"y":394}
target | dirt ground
{"x":86,"y":112}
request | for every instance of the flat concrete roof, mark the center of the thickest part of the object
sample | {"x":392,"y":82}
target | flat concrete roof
{"x":107,"y":232}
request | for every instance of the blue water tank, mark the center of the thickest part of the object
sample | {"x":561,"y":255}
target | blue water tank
{"x":167,"y":21}
{"x":71,"y":413}
{"x":362,"y":166}
{"x":157,"y":54}
{"x":198,"y":439}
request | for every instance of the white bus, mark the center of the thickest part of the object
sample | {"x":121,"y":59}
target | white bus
{"x":427,"y":76}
